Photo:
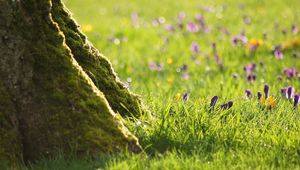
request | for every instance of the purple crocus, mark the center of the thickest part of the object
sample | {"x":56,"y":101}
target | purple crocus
{"x":251,"y":77}
{"x":227,"y":105}
{"x":184,"y":67}
{"x":170,"y":28}
{"x":200,"y":19}
{"x":134,"y":16}
{"x":195,"y":48}
{"x":160,"y":66}
{"x":230,"y":104}
{"x":216,"y":56}
{"x":236,"y":40}
{"x":152,"y":66}
{"x":290,"y":72}
{"x":246,"y":20}
{"x":266,"y":90}
{"x":213,"y":101}
{"x":224,"y":30}
{"x":283,"y":93}
{"x":185,"y":76}
{"x":295,"y":29}
{"x":180,"y":24}
{"x":192,"y":27}
{"x":181,"y":16}
{"x":259,"y":95}
{"x":290,"y":92}
{"x":249,"y":68}
{"x":248,"y":93}
{"x":296,"y":100}
{"x":156,"y":67}
{"x":185,"y":96}
{"x":278,"y":54}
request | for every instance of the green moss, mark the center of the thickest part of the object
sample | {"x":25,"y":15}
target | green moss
{"x":63,"y":109}
{"x":96,"y":65}
{"x":10,"y":145}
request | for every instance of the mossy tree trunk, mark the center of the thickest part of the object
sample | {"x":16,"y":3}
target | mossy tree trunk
{"x":57,"y":92}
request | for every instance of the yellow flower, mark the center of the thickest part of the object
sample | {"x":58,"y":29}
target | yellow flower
{"x":177,"y":97}
{"x":87,"y":28}
{"x":169,"y":61}
{"x":270,"y":102}
{"x":170,"y":80}
{"x":255,"y":42}
{"x":291,"y":43}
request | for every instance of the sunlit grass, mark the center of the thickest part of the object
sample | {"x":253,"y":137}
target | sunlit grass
{"x":180,"y":134}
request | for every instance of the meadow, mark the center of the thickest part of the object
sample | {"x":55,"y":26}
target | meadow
{"x":178,"y":55}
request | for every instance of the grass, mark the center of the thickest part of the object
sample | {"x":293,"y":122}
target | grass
{"x":185,"y":134}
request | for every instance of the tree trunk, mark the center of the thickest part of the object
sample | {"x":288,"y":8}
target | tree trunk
{"x":57,"y":92}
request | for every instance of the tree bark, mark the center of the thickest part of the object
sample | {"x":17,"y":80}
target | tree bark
{"x":57,"y":92}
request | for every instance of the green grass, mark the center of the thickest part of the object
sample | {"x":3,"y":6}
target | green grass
{"x":185,"y":135}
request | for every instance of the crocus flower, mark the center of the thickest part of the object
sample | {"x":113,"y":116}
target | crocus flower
{"x":213,"y":101}
{"x":247,"y":20}
{"x":134,"y":16}
{"x":156,"y":67}
{"x":251,"y":77}
{"x":200,"y":20}
{"x":185,"y":76}
{"x":170,"y":28}
{"x":249,"y":68}
{"x":290,"y":92}
{"x":195,"y":48}
{"x":266,"y":90}
{"x":152,"y":66}
{"x":230,"y":104}
{"x":227,"y":105}
{"x":216,"y":56}
{"x":160,"y":66}
{"x":278,"y":54}
{"x":177,"y":97}
{"x":236,"y":40}
{"x":259,"y":95}
{"x":243,"y":39}
{"x":290,"y":72}
{"x":192,"y":27}
{"x":254,"y":44}
{"x":184,"y":67}
{"x":185,"y":96}
{"x":181,"y":16}
{"x":180,"y":24}
{"x":295,"y":29}
{"x":296,"y":100}
{"x":224,"y":30}
{"x":284,"y":93}
{"x":270,"y":102}
{"x":248,"y":93}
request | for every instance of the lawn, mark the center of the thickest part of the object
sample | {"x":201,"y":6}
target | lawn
{"x":177,"y":56}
